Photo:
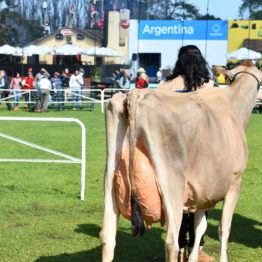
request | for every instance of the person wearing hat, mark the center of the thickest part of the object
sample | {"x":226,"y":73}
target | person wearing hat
{"x":57,"y":86}
{"x":39,"y":76}
{"x":142,"y":79}
{"x":44,"y":86}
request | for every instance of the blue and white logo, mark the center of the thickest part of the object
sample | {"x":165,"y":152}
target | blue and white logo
{"x":216,"y":30}
{"x":188,"y":30}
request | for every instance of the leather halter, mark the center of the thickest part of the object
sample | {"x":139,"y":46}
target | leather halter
{"x":233,"y":79}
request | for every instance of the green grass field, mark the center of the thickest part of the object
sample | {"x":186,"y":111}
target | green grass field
{"x":43,"y":220}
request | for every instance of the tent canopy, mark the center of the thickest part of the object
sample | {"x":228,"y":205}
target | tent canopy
{"x":102,"y":51}
{"x":37,"y":50}
{"x":9,"y":50}
{"x":244,"y":53}
{"x":69,"y":50}
{"x":62,"y":50}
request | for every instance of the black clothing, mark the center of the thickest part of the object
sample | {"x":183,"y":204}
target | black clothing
{"x":188,"y":226}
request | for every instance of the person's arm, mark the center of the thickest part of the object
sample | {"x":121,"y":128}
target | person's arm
{"x":71,"y":81}
{"x":47,"y":74}
{"x":177,"y":83}
{"x":20,"y":83}
{"x":80,"y":80}
{"x":24,"y":82}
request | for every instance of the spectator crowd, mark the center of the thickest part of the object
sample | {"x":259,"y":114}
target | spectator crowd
{"x":39,"y":89}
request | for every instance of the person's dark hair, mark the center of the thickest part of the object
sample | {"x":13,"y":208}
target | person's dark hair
{"x":192,"y":65}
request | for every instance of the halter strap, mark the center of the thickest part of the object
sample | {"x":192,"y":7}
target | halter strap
{"x":233,"y":79}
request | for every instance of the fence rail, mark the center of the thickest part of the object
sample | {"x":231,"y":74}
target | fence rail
{"x":69,"y":159}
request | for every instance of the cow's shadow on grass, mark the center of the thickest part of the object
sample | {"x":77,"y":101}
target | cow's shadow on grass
{"x":149,"y":248}
{"x":244,"y":231}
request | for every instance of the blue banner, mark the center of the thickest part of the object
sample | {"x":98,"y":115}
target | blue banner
{"x":188,"y":30}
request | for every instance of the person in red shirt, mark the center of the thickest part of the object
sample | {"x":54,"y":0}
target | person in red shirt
{"x":28,"y":84}
{"x":142,"y":79}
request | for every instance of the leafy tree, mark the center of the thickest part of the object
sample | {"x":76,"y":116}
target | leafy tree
{"x":15,"y":29}
{"x":253,"y":7}
{"x":207,"y":17}
{"x":9,"y":3}
{"x":256,"y":15}
{"x":166,"y":10}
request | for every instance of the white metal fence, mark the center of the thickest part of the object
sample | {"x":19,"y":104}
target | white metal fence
{"x":69,"y":159}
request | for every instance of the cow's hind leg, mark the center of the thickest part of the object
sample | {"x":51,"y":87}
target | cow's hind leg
{"x":200,"y":225}
{"x":109,"y":228}
{"x":227,"y":214}
{"x":173,"y":220}
{"x":115,"y":129}
{"x":172,"y":187}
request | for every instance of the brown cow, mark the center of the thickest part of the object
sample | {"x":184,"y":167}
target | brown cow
{"x":197,"y":147}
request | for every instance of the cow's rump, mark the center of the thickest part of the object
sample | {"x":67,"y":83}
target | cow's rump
{"x":147,"y":189}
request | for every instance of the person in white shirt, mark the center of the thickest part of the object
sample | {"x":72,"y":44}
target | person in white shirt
{"x":75,"y":83}
{"x":39,"y":76}
{"x":159,"y":75}
{"x":45,"y":86}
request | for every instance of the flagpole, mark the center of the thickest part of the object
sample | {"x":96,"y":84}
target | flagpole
{"x":206,"y":30}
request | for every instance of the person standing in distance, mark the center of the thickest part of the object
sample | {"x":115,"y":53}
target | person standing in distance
{"x":4,"y":84}
{"x":76,"y":82}
{"x":45,"y":86}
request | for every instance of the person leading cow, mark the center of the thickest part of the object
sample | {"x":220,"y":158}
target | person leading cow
{"x":190,"y":73}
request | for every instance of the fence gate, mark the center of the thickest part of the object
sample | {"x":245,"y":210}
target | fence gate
{"x":68,"y":159}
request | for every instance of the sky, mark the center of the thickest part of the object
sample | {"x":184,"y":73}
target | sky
{"x":225,"y":9}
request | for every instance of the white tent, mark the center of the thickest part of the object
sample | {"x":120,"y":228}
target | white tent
{"x":101,"y":51}
{"x":26,"y":51}
{"x":46,"y":50}
{"x":69,"y":50}
{"x":244,"y":53}
{"x":9,"y":50}
{"x":37,"y":50}
{"x":62,"y":50}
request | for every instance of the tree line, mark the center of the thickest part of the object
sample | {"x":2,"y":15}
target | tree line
{"x":21,"y":21}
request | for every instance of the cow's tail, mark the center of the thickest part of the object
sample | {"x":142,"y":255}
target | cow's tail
{"x":138,"y":226}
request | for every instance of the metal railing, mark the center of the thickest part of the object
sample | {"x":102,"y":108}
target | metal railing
{"x":87,"y":95}
{"x":69,"y":159}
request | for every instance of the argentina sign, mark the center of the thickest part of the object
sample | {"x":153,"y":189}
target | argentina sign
{"x":188,"y":30}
